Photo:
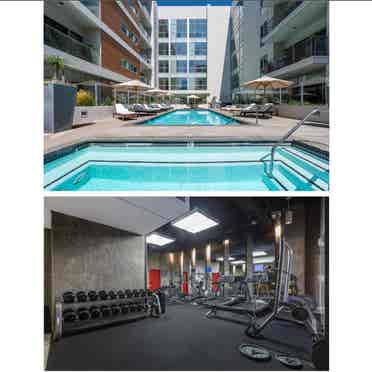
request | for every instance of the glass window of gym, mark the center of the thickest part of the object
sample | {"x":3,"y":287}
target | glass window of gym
{"x":181,"y":28}
{"x":163,"y":28}
{"x":198,"y":49}
{"x":182,"y":66}
{"x":178,"y":49}
{"x":198,"y":66}
{"x":178,"y":83}
{"x":164,"y":83}
{"x":164,"y":66}
{"x":163,"y":49}
{"x":198,"y":28}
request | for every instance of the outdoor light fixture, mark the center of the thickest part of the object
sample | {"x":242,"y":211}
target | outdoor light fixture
{"x":259,"y":253}
{"x":194,"y":222}
{"x":171,"y":258}
{"x":193,"y":257}
{"x":208,"y":253}
{"x":158,"y":239}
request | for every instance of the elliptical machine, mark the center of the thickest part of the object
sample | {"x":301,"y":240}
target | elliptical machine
{"x":300,"y":309}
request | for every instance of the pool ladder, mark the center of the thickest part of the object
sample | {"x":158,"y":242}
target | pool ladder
{"x":281,"y":141}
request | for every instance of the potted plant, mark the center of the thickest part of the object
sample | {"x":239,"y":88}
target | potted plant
{"x":59,"y":98}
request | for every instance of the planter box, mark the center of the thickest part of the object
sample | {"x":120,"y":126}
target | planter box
{"x":59,"y":104}
{"x":299,"y":112}
{"x":89,"y":114}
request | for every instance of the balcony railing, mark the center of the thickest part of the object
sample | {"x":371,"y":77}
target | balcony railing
{"x":58,"y":40}
{"x":316,"y":46}
{"x":92,"y":5}
{"x":269,"y":25}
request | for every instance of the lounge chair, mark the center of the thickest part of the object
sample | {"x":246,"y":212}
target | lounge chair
{"x":153,"y":109}
{"x":143,"y":110}
{"x":267,"y":110}
{"x":122,"y":112}
{"x":250,"y":109}
{"x":158,"y":106}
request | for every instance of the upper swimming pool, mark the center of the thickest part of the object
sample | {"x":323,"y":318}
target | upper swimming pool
{"x":184,"y":167}
{"x":191,"y":117}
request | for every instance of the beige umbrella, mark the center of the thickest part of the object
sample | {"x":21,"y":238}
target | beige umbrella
{"x":156,"y":92}
{"x":266,"y":82}
{"x":131,"y":85}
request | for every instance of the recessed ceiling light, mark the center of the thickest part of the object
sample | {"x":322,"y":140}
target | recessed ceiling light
{"x":219,"y":259}
{"x":158,"y":239}
{"x":231,"y":258}
{"x":259,"y":253}
{"x":238,"y":262}
{"x":194,"y":222}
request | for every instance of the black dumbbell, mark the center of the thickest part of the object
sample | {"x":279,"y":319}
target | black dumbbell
{"x":94,"y":312}
{"x":121,"y":294}
{"x":83,"y":313}
{"x":69,"y":315}
{"x":102,"y":295}
{"x":115,"y":309}
{"x":124,"y":308}
{"x":106,"y":311}
{"x":128,"y":293}
{"x":81,"y":296}
{"x":135,"y":293}
{"x":68,"y":297}
{"x":112,"y":295}
{"x":92,"y":296}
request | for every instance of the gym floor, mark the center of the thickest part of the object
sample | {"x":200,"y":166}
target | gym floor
{"x":183,"y":339}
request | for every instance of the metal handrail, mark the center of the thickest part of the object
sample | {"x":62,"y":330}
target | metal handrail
{"x":284,"y":138}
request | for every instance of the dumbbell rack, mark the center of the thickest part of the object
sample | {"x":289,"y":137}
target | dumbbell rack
{"x":64,"y":328}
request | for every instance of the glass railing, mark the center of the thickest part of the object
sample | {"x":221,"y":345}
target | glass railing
{"x":58,"y":40}
{"x":92,"y":5}
{"x":316,"y":46}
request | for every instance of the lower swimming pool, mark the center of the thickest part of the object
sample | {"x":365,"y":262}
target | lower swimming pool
{"x":184,"y":167}
{"x":191,"y":117}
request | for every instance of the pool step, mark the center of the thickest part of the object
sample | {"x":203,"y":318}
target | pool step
{"x":316,"y":173}
{"x":291,"y":180}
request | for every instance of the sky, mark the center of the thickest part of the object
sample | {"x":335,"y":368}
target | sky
{"x":193,"y":2}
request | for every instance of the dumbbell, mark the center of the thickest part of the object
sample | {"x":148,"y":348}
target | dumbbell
{"x":112,"y":295}
{"x":115,"y":309}
{"x":128,"y":293}
{"x":102,"y":295}
{"x":124,"y":308}
{"x":106,"y":311}
{"x":94,"y":312}
{"x":135,"y":293}
{"x":69,"y":315}
{"x":81,"y":296}
{"x":92,"y":296}
{"x":83,"y":313}
{"x":142,"y":293}
{"x":121,"y":294}
{"x":68,"y":297}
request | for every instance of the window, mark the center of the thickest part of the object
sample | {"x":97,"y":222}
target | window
{"x":163,"y":49}
{"x":181,"y":66}
{"x":198,"y":49}
{"x":264,"y":65}
{"x":181,"y":28}
{"x":198,"y":83}
{"x":129,"y":34}
{"x":164,"y":83}
{"x":163,"y":28}
{"x":178,"y":49}
{"x":198,"y":66}
{"x":178,"y":83}
{"x":128,"y":66}
{"x":198,"y":28}
{"x":164,"y":66}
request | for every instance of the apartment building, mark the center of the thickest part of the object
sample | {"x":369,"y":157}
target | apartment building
{"x":100,"y":41}
{"x":191,"y":45}
{"x":283,"y":39}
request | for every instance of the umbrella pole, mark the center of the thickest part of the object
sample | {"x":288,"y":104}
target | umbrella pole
{"x":128,"y":97}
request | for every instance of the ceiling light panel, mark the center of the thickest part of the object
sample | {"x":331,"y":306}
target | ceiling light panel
{"x":158,"y":239}
{"x":195,"y":222}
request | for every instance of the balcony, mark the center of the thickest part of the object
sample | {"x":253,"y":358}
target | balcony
{"x":58,"y":40}
{"x":145,"y":11}
{"x":306,"y":56}
{"x":293,"y":18}
{"x":92,"y":5}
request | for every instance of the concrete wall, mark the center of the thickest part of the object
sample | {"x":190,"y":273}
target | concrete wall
{"x":299,"y":112}
{"x":89,"y":114}
{"x":87,"y":255}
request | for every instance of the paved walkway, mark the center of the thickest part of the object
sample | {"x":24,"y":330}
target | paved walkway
{"x":115,"y":129}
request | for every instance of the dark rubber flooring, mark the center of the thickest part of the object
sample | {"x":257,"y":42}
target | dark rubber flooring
{"x":182,"y":340}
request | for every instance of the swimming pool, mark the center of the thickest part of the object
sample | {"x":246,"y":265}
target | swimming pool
{"x":183,"y":167}
{"x":191,"y":117}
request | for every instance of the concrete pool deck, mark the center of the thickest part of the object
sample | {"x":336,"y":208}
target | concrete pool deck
{"x":131,"y":130}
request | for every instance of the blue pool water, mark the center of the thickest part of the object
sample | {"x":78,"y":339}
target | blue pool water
{"x":146,"y":167}
{"x":191,"y":117}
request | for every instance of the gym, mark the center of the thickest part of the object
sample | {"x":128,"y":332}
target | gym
{"x":186,"y":283}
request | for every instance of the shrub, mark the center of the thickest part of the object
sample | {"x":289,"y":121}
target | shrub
{"x":107,"y":102}
{"x":84,"y":98}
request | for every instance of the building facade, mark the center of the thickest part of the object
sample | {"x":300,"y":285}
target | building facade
{"x":283,"y":39}
{"x":191,"y":47}
{"x":100,"y":41}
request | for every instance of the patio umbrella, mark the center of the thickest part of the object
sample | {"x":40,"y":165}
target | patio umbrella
{"x":266,"y":82}
{"x":132,"y":85}
{"x":156,"y":92}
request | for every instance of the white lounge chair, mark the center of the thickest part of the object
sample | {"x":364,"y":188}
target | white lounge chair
{"x":123,"y":113}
